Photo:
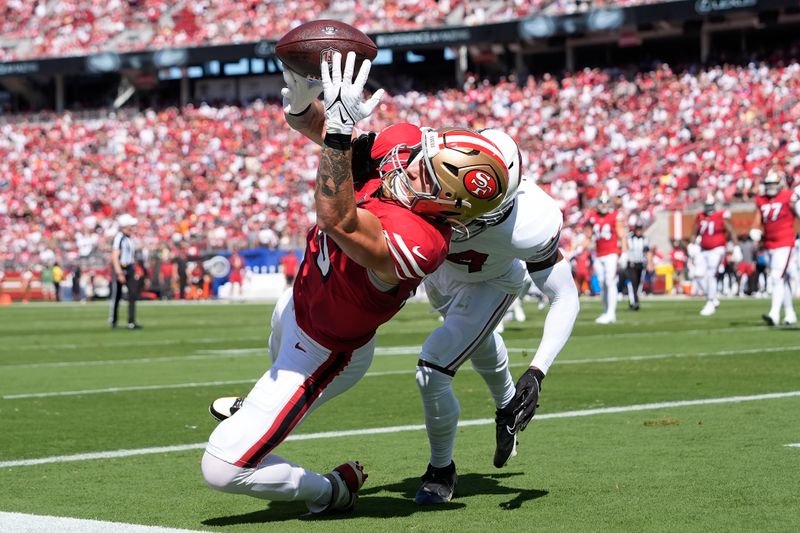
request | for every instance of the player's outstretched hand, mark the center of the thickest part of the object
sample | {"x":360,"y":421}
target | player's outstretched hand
{"x":299,"y":92}
{"x":344,"y":101}
{"x":526,"y":400}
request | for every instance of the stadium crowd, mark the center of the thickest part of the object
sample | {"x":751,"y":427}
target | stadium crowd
{"x":215,"y":177}
{"x":78,"y":27}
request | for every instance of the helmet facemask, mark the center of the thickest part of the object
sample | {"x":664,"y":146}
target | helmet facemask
{"x":773,"y":183}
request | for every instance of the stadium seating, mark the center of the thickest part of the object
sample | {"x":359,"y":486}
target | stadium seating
{"x":79,"y":27}
{"x":221,"y":176}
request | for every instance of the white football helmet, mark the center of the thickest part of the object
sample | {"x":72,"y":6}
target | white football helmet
{"x":604,"y":203}
{"x":774,"y":182}
{"x":709,"y":204}
{"x":462,"y":175}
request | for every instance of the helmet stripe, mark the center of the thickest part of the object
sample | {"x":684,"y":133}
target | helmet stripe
{"x":474,"y":141}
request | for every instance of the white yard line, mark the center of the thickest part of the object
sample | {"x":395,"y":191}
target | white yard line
{"x":29,"y":523}
{"x":599,"y":360}
{"x":795,"y":445}
{"x":389,"y":351}
{"x":415,"y":427}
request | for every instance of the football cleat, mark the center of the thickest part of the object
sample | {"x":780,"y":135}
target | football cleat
{"x":223,"y":408}
{"x":605,"y":319}
{"x":708,"y":309}
{"x":346,"y":480}
{"x":506,"y":436}
{"x":438,"y":485}
{"x":770,"y":320}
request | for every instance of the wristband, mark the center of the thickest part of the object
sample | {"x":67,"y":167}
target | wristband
{"x":338,"y":141}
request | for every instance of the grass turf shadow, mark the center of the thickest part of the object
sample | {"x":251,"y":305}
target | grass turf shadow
{"x":401,"y":504}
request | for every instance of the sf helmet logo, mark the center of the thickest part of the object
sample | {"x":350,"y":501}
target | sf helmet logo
{"x":480,"y":184}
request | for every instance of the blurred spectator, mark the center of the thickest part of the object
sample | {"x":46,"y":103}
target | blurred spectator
{"x":289,"y":264}
{"x":57,"y":276}
{"x":76,"y":283}
{"x":46,"y":278}
{"x":237,"y":272}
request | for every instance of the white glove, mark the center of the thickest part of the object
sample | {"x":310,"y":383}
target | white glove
{"x":343,"y":96}
{"x":299,"y":92}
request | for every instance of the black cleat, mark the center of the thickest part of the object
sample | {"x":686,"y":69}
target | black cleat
{"x":438,"y":485}
{"x":223,"y":408}
{"x":506,"y":433}
{"x":768,"y":319}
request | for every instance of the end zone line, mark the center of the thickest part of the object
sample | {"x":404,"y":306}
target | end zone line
{"x":415,"y":427}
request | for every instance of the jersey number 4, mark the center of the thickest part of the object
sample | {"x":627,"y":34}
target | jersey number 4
{"x":774,"y":208}
{"x":603,"y":232}
{"x":471,"y":259}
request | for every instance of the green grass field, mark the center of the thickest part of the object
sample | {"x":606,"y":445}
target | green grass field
{"x":707,"y":407}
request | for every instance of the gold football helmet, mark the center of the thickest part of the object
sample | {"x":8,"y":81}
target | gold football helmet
{"x":454,"y":174}
{"x":774,"y":183}
{"x":604,"y":203}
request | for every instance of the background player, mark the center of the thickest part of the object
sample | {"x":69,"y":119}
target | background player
{"x":713,"y":228}
{"x":489,"y":266}
{"x":607,"y":227}
{"x":777,"y":208}
{"x":371,"y":247}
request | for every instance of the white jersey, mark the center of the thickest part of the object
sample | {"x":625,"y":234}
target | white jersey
{"x":529,"y":233}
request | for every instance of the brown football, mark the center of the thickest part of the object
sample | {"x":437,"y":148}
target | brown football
{"x":303,"y":48}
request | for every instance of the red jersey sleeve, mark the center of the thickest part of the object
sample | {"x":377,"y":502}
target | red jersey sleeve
{"x":417,"y":247}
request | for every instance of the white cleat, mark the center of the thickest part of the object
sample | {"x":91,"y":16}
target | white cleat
{"x":790,"y":320}
{"x":716,"y":302}
{"x":605,"y":319}
{"x":709,"y":309}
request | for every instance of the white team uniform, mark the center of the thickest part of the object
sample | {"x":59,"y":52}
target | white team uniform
{"x":484,"y":274}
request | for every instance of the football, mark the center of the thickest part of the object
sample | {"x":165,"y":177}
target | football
{"x":303,"y":48}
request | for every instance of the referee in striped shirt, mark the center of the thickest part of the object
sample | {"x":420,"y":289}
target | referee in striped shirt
{"x":122,"y":265}
{"x":640,"y":257}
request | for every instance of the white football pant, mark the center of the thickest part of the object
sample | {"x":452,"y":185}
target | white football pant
{"x":605,"y":268}
{"x":471,"y":312}
{"x":710,"y":261}
{"x":239,"y":457}
{"x":781,"y":274}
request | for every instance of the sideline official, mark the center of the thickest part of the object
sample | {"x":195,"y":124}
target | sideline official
{"x":122,"y":266}
{"x":640,"y":259}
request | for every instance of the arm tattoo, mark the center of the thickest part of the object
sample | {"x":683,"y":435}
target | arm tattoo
{"x":334,"y":171}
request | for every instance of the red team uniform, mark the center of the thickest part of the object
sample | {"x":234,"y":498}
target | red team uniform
{"x":604,"y":228}
{"x":323,"y":330}
{"x":777,"y":216}
{"x":712,"y":229}
{"x":337,"y":303}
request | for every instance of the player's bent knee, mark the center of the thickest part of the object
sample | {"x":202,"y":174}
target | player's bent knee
{"x":439,"y":344}
{"x":218,"y":474}
{"x":433,"y":384}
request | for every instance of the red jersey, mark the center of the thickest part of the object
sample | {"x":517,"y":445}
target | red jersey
{"x":777,"y":216}
{"x":604,"y":227}
{"x":335,"y":301}
{"x":712,"y":229}
{"x":289,"y":264}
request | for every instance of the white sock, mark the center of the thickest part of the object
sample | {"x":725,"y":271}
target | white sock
{"x":777,"y":297}
{"x":441,"y":413}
